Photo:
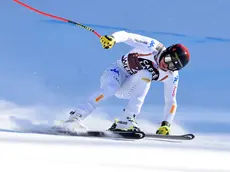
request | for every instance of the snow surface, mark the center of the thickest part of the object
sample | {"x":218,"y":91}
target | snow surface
{"x":28,"y":152}
{"x":36,"y":152}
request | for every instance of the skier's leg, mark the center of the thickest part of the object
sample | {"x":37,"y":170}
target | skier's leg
{"x":111,"y":81}
{"x":136,"y":88}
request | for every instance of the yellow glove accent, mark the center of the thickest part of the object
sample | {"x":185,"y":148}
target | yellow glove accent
{"x":107,"y":41}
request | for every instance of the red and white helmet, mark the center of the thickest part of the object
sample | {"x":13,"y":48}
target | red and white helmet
{"x":176,"y":56}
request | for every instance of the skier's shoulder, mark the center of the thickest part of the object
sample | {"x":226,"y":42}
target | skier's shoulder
{"x":155,"y":45}
{"x":159,"y":47}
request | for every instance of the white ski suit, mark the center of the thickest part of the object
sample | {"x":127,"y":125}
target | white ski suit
{"x":125,"y":82}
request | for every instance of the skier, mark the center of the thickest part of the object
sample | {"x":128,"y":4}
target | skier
{"x":130,"y":78}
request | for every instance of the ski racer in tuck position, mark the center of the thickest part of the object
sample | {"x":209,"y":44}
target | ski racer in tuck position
{"x":130,"y":78}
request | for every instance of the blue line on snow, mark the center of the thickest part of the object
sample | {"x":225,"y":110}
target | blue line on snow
{"x":194,"y":39}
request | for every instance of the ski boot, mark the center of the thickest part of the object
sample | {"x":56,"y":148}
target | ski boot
{"x":126,"y":124}
{"x":73,"y":124}
{"x":164,"y":129}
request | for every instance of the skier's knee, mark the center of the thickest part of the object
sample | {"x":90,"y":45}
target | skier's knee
{"x":110,"y":90}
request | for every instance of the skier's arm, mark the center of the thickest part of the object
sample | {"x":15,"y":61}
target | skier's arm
{"x":170,"y":91}
{"x":135,"y":40}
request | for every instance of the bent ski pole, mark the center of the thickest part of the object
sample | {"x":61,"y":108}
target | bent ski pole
{"x":58,"y":18}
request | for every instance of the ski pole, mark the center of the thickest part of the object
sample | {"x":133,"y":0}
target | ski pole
{"x":64,"y":20}
{"x":58,"y":18}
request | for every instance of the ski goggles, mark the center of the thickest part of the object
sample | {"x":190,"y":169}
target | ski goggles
{"x":173,"y":61}
{"x":168,"y":60}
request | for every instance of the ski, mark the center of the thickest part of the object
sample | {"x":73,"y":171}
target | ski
{"x":105,"y":134}
{"x":93,"y":133}
{"x":171,"y":137}
{"x":111,"y":134}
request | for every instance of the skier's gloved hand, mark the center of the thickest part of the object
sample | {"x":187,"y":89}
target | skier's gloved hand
{"x":107,"y":41}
